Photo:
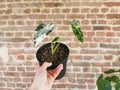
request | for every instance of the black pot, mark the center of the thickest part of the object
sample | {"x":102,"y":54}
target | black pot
{"x":56,"y":62}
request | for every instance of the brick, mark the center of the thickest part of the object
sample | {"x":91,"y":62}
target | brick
{"x":17,"y":0}
{"x":104,"y":10}
{"x":2,"y":84}
{"x":28,"y":74}
{"x":66,"y":10}
{"x":28,"y":45}
{"x":101,"y":28}
{"x":95,"y":10}
{"x":110,"y":34}
{"x":17,"y":79}
{"x":21,"y":69}
{"x":2,"y":6}
{"x":11,"y":22}
{"x":17,"y":5}
{"x":81,"y":86}
{"x":11,"y":84}
{"x":12,"y":74}
{"x":113,"y":16}
{"x":12,"y":68}
{"x":90,"y":51}
{"x":8,"y":11}
{"x":21,"y":57}
{"x":102,"y":22}
{"x":37,"y":16}
{"x":36,"y":10}
{"x":75,"y":10}
{"x":86,"y":75}
{"x":9,"y":34}
{"x":19,"y":40}
{"x":28,"y":34}
{"x":21,"y":85}
{"x":2,"y":0}
{"x":108,"y":57}
{"x":45,"y":10}
{"x":14,"y":17}
{"x":20,"y":22}
{"x":111,"y":4}
{"x":81,"y":64}
{"x":61,"y":86}
{"x":27,"y":80}
{"x":85,"y":22}
{"x":30,"y":57}
{"x":30,"y":69}
{"x":101,"y":64}
{"x":112,"y":46}
{"x":93,"y":45}
{"x":76,"y":16}
{"x":27,"y":11}
{"x":116,"y":28}
{"x":56,"y":16}
{"x":51,"y":4}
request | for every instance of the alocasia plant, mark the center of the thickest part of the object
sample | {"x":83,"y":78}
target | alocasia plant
{"x":42,"y":31}
{"x":108,"y":82}
{"x":77,"y":30}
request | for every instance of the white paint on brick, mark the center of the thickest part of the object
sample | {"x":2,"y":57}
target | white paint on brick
{"x":4,"y":54}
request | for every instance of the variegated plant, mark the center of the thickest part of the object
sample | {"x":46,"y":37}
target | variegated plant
{"x":42,"y":31}
{"x":77,"y":30}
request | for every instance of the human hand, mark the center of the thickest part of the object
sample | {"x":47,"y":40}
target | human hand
{"x":43,"y":80}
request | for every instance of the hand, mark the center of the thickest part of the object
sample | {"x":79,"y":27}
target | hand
{"x":43,"y":80}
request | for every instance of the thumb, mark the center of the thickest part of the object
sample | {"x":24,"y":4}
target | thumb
{"x":54,"y":73}
{"x":46,"y":64}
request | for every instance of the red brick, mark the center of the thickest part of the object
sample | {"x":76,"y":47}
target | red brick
{"x":110,"y":34}
{"x":104,"y":10}
{"x":95,"y":10}
{"x":113,"y":16}
{"x":35,"y":10}
{"x":75,"y":10}
{"x":19,"y":39}
{"x":20,"y":22}
{"x":65,"y":10}
{"x":13,"y":74}
{"x":21,"y":57}
{"x":108,"y":57}
{"x":117,"y":28}
{"x":111,"y":4}
{"x":8,"y":11}
{"x":11,"y":22}
{"x":27,"y":11}
{"x":52,"y":4}
{"x":101,"y":64}
{"x":76,"y":16}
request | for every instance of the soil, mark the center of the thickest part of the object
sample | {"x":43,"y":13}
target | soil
{"x":44,"y":54}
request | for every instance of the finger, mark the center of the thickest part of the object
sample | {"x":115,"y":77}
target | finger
{"x":46,"y":64}
{"x":54,"y":73}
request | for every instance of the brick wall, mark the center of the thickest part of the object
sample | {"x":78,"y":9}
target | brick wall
{"x":100,"y":23}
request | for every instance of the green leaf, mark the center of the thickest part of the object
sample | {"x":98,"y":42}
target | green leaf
{"x":110,"y":71}
{"x":117,"y":86}
{"x":113,"y":79}
{"x":77,"y":30}
{"x":99,"y":79}
{"x":103,"y":84}
{"x":55,"y":39}
{"x":54,"y":44}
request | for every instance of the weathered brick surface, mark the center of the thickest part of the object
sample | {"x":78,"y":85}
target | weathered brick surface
{"x":100,"y":23}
